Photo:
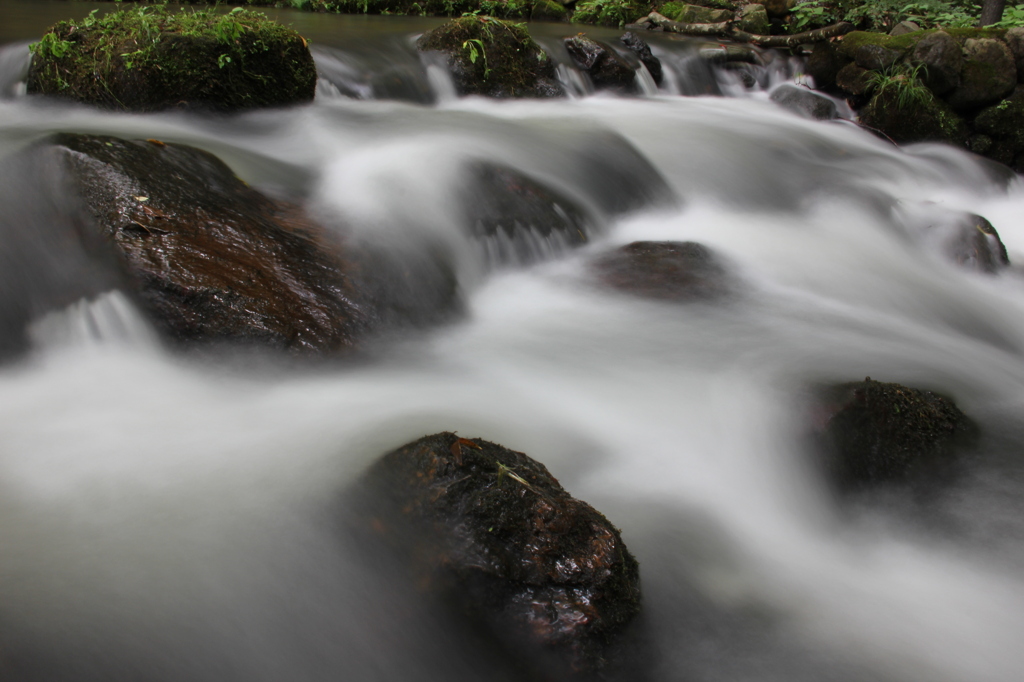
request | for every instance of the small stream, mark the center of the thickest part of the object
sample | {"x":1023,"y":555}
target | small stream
{"x":167,"y":516}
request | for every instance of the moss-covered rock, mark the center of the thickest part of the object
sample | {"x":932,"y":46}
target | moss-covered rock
{"x":752,"y":18}
{"x":854,"y":80}
{"x":988,"y":74}
{"x":878,"y":432}
{"x":491,"y":57}
{"x":695,"y":14}
{"x":491,"y":531}
{"x":150,"y":58}
{"x":1014,"y":39}
{"x":904,"y":110}
{"x":609,"y":12}
{"x":1003,"y":124}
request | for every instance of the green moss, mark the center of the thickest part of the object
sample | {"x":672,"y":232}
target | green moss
{"x":491,"y":57}
{"x":149,"y":58}
{"x":609,"y":12}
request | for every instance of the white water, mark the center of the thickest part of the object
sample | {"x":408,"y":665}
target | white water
{"x":165,"y":518}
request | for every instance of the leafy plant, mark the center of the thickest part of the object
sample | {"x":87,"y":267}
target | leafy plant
{"x":1012,"y":17}
{"x":904,"y":82}
{"x":475,"y":50}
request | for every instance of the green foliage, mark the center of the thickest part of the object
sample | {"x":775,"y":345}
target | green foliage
{"x":1012,"y":17}
{"x":882,"y":15}
{"x":903,"y":84}
{"x":51,"y":45}
{"x":475,"y":49}
{"x":609,"y":12}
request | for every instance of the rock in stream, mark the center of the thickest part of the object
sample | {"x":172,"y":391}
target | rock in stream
{"x":492,"y":532}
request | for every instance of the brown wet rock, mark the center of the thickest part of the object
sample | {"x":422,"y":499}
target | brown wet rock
{"x":491,"y":531}
{"x":871,"y":433}
{"x":673,"y":271}
{"x":210,"y":258}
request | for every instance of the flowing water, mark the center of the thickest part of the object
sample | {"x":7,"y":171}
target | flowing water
{"x":167,"y":516}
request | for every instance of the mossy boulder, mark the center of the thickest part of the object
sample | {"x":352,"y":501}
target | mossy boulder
{"x":150,"y":58}
{"x":491,"y":57}
{"x":695,"y":14}
{"x":1015,"y":41}
{"x":491,"y":532}
{"x":874,"y":433}
{"x":613,"y":13}
{"x":906,"y":111}
{"x":752,"y":18}
{"x":941,"y":58}
{"x":669,"y":271}
{"x":988,"y":74}
{"x":1003,"y":124}
{"x":854,"y":80}
{"x":547,"y":10}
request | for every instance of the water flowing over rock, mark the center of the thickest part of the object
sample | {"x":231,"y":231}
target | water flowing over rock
{"x":517,"y":218}
{"x":673,"y":271}
{"x":876,"y":433}
{"x":151,"y":59}
{"x":804,"y":102}
{"x":491,"y":530}
{"x":493,"y":58}
{"x":974,"y":243}
{"x":606,"y":69}
{"x":643,"y":51}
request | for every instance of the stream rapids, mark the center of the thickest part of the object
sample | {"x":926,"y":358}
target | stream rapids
{"x":167,"y":516}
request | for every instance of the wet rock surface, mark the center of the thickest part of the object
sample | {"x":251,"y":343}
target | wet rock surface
{"x":518,"y":219}
{"x":643,"y":51}
{"x":493,"y":58}
{"x":874,"y":433}
{"x":671,"y":271}
{"x":988,"y":74}
{"x":490,"y":531}
{"x":606,"y":69}
{"x":974,"y":243}
{"x":210,"y":258}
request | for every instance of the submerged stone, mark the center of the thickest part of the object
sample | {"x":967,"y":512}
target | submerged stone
{"x":210,"y":258}
{"x":874,"y":432}
{"x":491,"y":531}
{"x":672,"y":271}
{"x":149,"y":59}
{"x":490,"y":57}
{"x":974,"y":243}
{"x":804,"y":102}
{"x":606,"y":69}
{"x":518,"y":219}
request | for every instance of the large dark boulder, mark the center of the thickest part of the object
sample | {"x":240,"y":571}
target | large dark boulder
{"x":149,"y":59}
{"x":491,"y":532}
{"x":490,"y":57}
{"x":988,"y":74}
{"x":873,"y":433}
{"x":1014,"y":39}
{"x":671,"y":271}
{"x":606,"y":69}
{"x":941,"y":58}
{"x":210,"y":258}
{"x":824,"y":64}
{"x":518,"y":219}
